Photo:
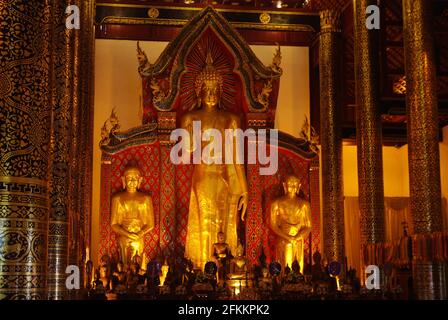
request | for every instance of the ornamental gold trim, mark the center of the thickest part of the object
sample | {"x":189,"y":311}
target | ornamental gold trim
{"x":143,"y":6}
{"x":9,"y":290}
{"x":271,"y":12}
{"x":121,"y":20}
{"x":22,"y":204}
{"x":273,"y":27}
{"x":182,"y":22}
{"x":9,"y":179}
{"x":299,"y":13}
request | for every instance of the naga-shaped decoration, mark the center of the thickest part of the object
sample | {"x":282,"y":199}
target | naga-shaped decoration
{"x":277,"y":60}
{"x":110,"y":127}
{"x":157,"y":94}
{"x":143,"y":62}
{"x":309,"y":134}
{"x":263,"y":96}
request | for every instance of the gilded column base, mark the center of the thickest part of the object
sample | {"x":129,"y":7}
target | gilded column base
{"x":429,"y":280}
{"x":23,"y":238}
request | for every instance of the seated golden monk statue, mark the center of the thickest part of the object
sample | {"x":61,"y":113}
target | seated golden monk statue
{"x":238,"y":265}
{"x":291,"y":222}
{"x":219,"y":189}
{"x":132,"y":215}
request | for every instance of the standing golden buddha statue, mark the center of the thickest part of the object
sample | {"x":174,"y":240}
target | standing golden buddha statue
{"x":132,"y":215}
{"x":290,"y":220}
{"x":221,"y":255}
{"x":218,"y":191}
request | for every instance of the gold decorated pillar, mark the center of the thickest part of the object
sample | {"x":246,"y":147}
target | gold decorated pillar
{"x":25,"y":111}
{"x":368,"y":128}
{"x":45,"y":154}
{"x":331,"y":139}
{"x":71,"y":117}
{"x":63,"y":114}
{"x":423,"y":137}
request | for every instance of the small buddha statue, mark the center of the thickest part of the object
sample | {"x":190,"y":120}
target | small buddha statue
{"x":238,"y":265}
{"x":296,"y":272}
{"x":265,"y":282}
{"x":119,"y":276}
{"x":132,"y":215}
{"x":104,"y":276}
{"x":287,"y":270}
{"x":295,"y":267}
{"x":133,"y":277}
{"x":290,"y":220}
{"x":316,"y":269}
{"x":137,"y":259}
{"x":203,"y":283}
{"x":100,"y":290}
{"x":89,"y":271}
{"x":164,"y":272}
{"x":89,"y":275}
{"x":153,"y":275}
{"x":188,"y":277}
{"x":222,"y":256}
{"x":105,"y":259}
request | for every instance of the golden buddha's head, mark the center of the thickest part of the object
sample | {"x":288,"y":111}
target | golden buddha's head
{"x":208,"y":85}
{"x":221,"y":237}
{"x":292,"y":185}
{"x":239,"y":250}
{"x":132,"y":178}
{"x":265,"y":272}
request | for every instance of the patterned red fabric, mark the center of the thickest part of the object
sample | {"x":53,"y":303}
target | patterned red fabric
{"x":184,"y":174}
{"x":167,"y":203}
{"x":254,"y":217}
{"x":105,"y":230}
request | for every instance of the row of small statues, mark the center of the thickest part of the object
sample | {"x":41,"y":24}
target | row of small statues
{"x":113,"y":278}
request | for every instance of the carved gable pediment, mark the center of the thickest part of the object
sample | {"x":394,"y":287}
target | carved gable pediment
{"x":249,"y":85}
